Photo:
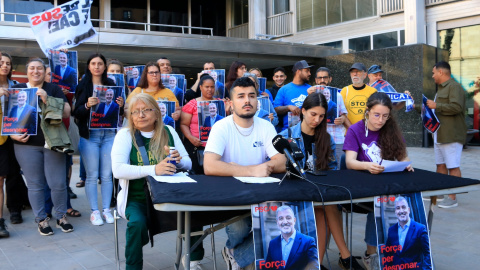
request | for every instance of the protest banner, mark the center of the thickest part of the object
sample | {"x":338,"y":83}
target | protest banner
{"x":429,"y":119}
{"x":105,"y":115}
{"x":218,"y":76}
{"x":133,"y":74}
{"x":175,"y":82}
{"x":274,"y":221}
{"x":209,"y":113}
{"x":64,"y":26}
{"x":119,"y":80}
{"x":167,"y":108}
{"x":387,"y":88}
{"x":20,"y":114}
{"x":64,"y":67}
{"x":331,"y":95}
{"x":402,"y":232}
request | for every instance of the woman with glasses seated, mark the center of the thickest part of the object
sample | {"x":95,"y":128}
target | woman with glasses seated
{"x":127,"y":165}
{"x":367,"y":144}
{"x":151,"y":83}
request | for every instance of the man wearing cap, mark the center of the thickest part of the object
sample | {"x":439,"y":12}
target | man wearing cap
{"x":291,"y":96}
{"x":375,"y":73}
{"x":355,"y":96}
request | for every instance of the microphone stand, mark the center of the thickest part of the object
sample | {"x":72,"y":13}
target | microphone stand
{"x":289,"y":173}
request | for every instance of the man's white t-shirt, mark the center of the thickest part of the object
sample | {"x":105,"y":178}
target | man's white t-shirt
{"x":225,"y":140}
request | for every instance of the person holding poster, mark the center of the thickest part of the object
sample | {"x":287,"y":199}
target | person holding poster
{"x":133,"y":82}
{"x":173,"y":86}
{"x":262,"y":84}
{"x":236,"y":70}
{"x":241,"y":145}
{"x":108,"y":111}
{"x":410,"y":238}
{"x":367,"y":143}
{"x":291,"y":248}
{"x":24,"y":114}
{"x":151,"y":83}
{"x":375,"y":80}
{"x":332,"y":112}
{"x":40,"y":165}
{"x":132,"y":170}
{"x":213,"y":117}
{"x":449,"y":106}
{"x":95,"y":145}
{"x":64,"y":75}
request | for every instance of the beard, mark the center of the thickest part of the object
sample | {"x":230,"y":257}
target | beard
{"x":247,"y":115}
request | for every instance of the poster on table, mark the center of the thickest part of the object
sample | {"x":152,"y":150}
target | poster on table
{"x":175,"y":82}
{"x":64,"y":67}
{"x":331,"y":95}
{"x":402,"y":232}
{"x":218,"y":76}
{"x":167,"y":108}
{"x":105,"y":115}
{"x":209,"y":113}
{"x":274,"y":221}
{"x":20,"y":113}
{"x":64,"y":26}
{"x":429,"y":119}
{"x":263,"y":108}
{"x":133,"y":73}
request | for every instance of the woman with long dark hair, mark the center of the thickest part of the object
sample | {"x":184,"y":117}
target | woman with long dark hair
{"x":236,"y":71}
{"x":367,"y":144}
{"x":95,"y":145}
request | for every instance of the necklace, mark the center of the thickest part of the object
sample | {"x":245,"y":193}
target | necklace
{"x":241,"y":132}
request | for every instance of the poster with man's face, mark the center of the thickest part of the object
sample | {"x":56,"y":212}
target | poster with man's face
{"x":218,"y":76}
{"x":64,"y":67}
{"x":105,"y":114}
{"x":133,"y":73}
{"x":175,"y":82}
{"x":209,"y":113}
{"x":274,"y":223}
{"x":331,"y":95}
{"x":167,"y":108}
{"x":402,"y":232}
{"x":20,"y":113}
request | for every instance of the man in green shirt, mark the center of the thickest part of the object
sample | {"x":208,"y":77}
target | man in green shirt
{"x":449,"y":106}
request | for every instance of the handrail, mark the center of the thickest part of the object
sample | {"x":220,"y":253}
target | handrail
{"x":280,"y":14}
{"x":146,"y":25}
{"x":437,"y":2}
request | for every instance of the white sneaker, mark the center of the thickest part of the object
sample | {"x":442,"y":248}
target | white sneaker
{"x":371,"y":262}
{"x":194,"y":265}
{"x":107,"y":215}
{"x":96,"y":219}
{"x":229,"y":260}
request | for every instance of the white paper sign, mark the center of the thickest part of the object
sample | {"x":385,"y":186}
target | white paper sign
{"x":64,"y":26}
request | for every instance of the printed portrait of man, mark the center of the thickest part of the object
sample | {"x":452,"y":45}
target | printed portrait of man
{"x":132,"y":82}
{"x":24,"y":113}
{"x":213,"y":117}
{"x":411,"y":236}
{"x":332,"y":107}
{"x":109,"y":109}
{"x":219,"y":87}
{"x":68,"y":75}
{"x":297,"y":250}
{"x":167,"y":120}
{"x":172,"y":85}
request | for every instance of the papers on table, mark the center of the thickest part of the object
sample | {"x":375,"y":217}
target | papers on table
{"x":395,"y":166}
{"x":258,"y":180}
{"x":180,"y":177}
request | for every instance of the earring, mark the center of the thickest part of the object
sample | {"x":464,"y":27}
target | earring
{"x":366,"y":125}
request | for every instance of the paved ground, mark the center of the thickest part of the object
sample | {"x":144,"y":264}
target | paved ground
{"x":455,"y":234}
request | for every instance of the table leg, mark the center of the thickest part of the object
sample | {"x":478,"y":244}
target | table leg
{"x":179,"y":239}
{"x":187,"y":240}
{"x":213,"y":248}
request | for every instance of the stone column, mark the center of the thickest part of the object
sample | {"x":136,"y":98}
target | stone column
{"x":415,"y":22}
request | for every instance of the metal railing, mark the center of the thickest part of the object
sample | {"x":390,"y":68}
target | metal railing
{"x":280,"y":24}
{"x":239,"y":31}
{"x":145,"y":26}
{"x":391,"y":6}
{"x":436,"y":2}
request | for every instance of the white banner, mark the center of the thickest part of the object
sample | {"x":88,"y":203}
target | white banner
{"x":64,"y":26}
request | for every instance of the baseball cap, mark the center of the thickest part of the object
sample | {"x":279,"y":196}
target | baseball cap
{"x":375,"y":69}
{"x":300,"y":65}
{"x":358,"y":66}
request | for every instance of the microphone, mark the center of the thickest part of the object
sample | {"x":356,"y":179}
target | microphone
{"x":291,"y":151}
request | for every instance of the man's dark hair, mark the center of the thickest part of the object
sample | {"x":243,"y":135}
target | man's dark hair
{"x":443,"y":65}
{"x":279,"y":69}
{"x":324,"y":69}
{"x":243,"y":82}
{"x":164,"y":58}
{"x":208,"y":62}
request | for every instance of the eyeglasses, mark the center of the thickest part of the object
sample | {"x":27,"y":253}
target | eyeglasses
{"x":144,"y":112}
{"x":323,"y":78}
{"x":153,"y":73}
{"x":381,"y":117}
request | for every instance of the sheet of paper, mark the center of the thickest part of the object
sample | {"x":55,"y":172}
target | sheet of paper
{"x":180,"y":177}
{"x":258,"y":180}
{"x":395,"y":166}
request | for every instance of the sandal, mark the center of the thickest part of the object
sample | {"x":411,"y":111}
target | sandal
{"x":73,"y":213}
{"x":80,"y":184}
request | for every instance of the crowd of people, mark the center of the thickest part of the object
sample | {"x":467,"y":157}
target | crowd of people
{"x":363,"y":134}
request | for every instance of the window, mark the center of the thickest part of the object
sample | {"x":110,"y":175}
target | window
{"x":317,"y":13}
{"x":172,"y":13}
{"x":334,"y":44}
{"x":359,"y":44}
{"x":129,"y":11}
{"x":240,"y":12}
{"x":280,"y":6}
{"x":385,"y":40}
{"x":25,"y":7}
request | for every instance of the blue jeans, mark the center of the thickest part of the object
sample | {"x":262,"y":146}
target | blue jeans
{"x":83,"y":173}
{"x":371,"y":230}
{"x":240,"y":239}
{"x":95,"y":153}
